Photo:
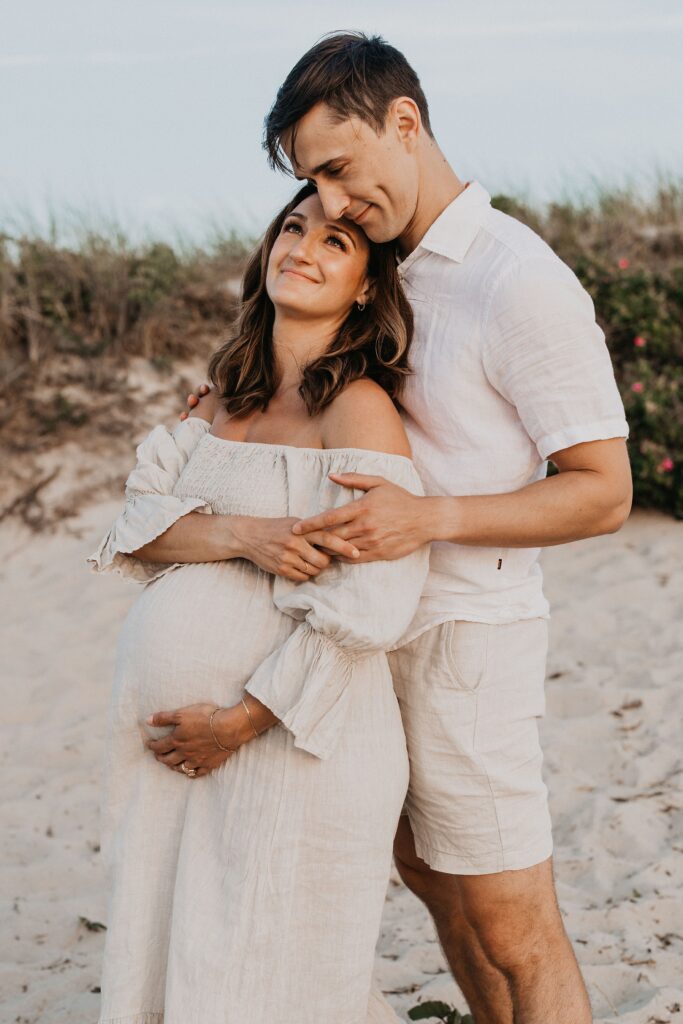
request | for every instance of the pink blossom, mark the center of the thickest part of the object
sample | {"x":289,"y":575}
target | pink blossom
{"x":666,"y":465}
{"x":638,"y":387}
{"x":639,"y":342}
{"x":623,"y":263}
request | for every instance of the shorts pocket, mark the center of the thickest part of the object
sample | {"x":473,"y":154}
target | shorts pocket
{"x":467,"y":645}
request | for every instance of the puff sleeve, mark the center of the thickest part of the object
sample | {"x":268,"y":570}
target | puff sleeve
{"x":347,"y":614}
{"x":151,"y":507}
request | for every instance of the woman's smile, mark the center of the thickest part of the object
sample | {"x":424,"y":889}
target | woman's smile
{"x":298,"y":273}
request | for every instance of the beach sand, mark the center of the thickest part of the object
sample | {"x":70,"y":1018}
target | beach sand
{"x":613,"y":759}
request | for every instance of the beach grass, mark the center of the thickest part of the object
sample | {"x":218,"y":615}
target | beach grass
{"x":77,"y":302}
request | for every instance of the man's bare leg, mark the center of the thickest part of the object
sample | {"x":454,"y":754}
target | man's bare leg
{"x":523,"y":969}
{"x":483,"y":985}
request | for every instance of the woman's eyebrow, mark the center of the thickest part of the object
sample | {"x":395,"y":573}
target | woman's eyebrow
{"x":331,"y":226}
{"x":343,"y":231}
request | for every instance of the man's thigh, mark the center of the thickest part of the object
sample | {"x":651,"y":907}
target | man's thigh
{"x":471,"y":695}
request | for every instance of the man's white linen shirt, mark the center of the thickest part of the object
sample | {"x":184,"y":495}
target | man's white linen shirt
{"x":510,"y":366}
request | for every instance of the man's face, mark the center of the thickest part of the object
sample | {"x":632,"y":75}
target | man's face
{"x":367,"y":178}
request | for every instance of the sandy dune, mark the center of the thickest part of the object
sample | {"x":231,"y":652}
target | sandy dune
{"x":614,"y":763}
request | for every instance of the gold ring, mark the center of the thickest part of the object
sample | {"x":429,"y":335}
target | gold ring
{"x":191,"y":772}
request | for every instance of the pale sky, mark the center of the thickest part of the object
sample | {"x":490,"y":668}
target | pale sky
{"x":152,"y":111}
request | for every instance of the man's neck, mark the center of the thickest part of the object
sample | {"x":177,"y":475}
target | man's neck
{"x":439,"y":186}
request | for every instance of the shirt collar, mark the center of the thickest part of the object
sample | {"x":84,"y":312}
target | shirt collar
{"x":454,"y":230}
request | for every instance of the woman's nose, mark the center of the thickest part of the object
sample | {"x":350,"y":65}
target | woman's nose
{"x":301,"y":251}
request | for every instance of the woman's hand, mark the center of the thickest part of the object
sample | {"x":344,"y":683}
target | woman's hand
{"x":191,"y":740}
{"x":270,"y":544}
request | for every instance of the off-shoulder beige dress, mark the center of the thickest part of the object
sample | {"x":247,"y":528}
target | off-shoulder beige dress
{"x":254,"y":893}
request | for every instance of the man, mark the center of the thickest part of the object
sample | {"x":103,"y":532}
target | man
{"x":510,"y":370}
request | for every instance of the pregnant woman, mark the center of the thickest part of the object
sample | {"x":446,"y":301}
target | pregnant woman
{"x":255,"y":764}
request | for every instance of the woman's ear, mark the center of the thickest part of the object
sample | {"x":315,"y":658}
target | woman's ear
{"x":367,"y":293}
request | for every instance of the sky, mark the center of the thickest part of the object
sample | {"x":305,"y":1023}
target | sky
{"x":151,"y":113}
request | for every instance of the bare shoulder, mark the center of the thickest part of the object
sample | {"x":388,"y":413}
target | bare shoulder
{"x":364,"y":416}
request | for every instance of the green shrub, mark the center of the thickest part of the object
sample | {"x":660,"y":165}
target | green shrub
{"x":439,"y":1011}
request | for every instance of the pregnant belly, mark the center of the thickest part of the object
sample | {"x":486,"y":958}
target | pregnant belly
{"x":197,"y":634}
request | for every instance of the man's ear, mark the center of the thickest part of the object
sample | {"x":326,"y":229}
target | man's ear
{"x":406,"y":117}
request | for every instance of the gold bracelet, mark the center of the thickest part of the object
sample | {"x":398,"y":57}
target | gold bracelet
{"x":251,"y":720}
{"x":232,"y":750}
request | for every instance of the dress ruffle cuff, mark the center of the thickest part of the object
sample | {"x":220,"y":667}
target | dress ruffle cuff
{"x":151,"y":507}
{"x":305,"y":684}
{"x":143,"y":519}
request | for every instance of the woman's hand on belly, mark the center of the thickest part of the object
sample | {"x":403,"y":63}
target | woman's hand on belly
{"x":192,"y":742}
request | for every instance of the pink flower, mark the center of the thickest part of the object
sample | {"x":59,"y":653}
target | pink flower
{"x":638,"y":387}
{"x":666,"y":465}
{"x":639,"y":342}
{"x":623,"y":263}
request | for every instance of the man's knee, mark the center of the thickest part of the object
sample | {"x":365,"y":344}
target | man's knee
{"x":412,"y":869}
{"x":432,"y":887}
{"x":515,"y":916}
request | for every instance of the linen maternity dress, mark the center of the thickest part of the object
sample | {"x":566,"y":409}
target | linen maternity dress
{"x":254,"y":893}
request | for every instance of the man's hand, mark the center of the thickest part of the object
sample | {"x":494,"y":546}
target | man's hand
{"x":270,"y":544}
{"x":387,"y":522}
{"x":202,"y":404}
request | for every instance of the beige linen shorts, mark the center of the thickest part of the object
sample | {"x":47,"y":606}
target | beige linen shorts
{"x":471,"y":695}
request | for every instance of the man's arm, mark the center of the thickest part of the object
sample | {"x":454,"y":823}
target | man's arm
{"x":590,"y":495}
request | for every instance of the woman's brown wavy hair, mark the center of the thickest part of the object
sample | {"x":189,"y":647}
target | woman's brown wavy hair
{"x":371,"y":343}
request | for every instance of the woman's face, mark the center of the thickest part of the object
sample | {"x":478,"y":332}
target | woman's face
{"x":317,"y":268}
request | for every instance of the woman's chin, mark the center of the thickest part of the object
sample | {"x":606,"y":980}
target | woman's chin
{"x":294,"y":304}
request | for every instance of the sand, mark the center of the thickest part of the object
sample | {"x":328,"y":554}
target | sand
{"x":614,"y":765}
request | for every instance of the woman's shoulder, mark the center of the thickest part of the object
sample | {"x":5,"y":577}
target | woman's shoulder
{"x":364,"y":416}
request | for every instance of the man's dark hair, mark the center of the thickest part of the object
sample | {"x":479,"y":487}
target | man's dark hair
{"x":353,"y":74}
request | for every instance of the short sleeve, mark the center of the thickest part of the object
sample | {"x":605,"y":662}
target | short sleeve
{"x":347,"y":614}
{"x":545,"y":354}
{"x":151,"y":507}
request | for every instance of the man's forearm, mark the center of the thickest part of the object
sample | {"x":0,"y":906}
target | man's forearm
{"x":196,"y":537}
{"x":569,"y":506}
